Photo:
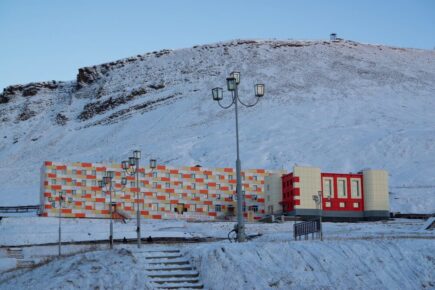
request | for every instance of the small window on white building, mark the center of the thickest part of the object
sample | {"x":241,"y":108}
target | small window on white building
{"x":254,"y":208}
{"x":84,"y":172}
{"x":218,"y":196}
{"x":83,"y":182}
{"x":192,"y":175}
{"x":230,"y":177}
{"x":218,"y":208}
{"x":132,"y":184}
{"x":255,"y":177}
{"x":53,"y":181}
{"x":167,"y":185}
{"x":255,"y":187}
{"x":154,"y":184}
{"x":193,"y":185}
{"x":254,"y":197}
{"x":155,"y":174}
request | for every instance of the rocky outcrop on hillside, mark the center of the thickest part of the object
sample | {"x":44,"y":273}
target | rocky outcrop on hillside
{"x":27,"y":90}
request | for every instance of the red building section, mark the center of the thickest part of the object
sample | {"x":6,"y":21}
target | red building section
{"x":342,"y":192}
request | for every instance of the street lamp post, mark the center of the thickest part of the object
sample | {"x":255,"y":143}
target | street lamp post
{"x":233,"y":86}
{"x":60,"y":223}
{"x":106,"y":184}
{"x":131,"y":167}
{"x":318,"y":200}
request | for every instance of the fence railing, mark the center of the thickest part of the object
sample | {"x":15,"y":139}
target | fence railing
{"x":17,"y":209}
{"x":306,"y":228}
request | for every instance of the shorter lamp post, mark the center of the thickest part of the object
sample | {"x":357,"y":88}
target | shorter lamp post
{"x":106,"y":185}
{"x":61,"y":198}
{"x":131,"y":167}
{"x":318,"y":200}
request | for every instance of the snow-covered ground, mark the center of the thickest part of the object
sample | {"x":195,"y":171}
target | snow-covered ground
{"x":394,"y":254}
{"x":342,"y":106}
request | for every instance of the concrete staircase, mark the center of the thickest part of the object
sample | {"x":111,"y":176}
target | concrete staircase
{"x":17,"y":253}
{"x":169,"y":269}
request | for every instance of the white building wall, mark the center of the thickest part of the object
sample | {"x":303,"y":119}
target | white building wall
{"x":376,"y":190}
{"x":273,"y":193}
{"x":309,"y":185}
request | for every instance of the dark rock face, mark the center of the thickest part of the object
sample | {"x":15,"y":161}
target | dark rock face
{"x":26,"y":114}
{"x":27,"y":90}
{"x":86,"y":76}
{"x":61,"y":119}
{"x":100,"y":107}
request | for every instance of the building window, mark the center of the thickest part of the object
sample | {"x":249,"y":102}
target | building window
{"x":327,"y":187}
{"x":206,"y":176}
{"x":74,"y":171}
{"x":94,"y":182}
{"x":231,"y":187}
{"x":267,"y":187}
{"x":63,"y":182}
{"x":268,"y":198}
{"x":193,"y":185}
{"x":255,"y":187}
{"x":154,"y":184}
{"x":168,"y":175}
{"x":327,"y":204}
{"x":84,"y":172}
{"x":94,"y":172}
{"x":83,"y":182}
{"x":253,"y":208}
{"x":355,"y":189}
{"x":254,"y":177}
{"x":192,"y":175}
{"x":341,"y":187}
{"x":168,"y":185}
{"x":155,"y":174}
{"x":74,"y":192}
{"x":142,"y":184}
{"x":342,"y":204}
{"x":230,"y":177}
{"x":218,"y":186}
{"x":132,"y":184}
{"x":254,"y":197}
{"x":356,"y":205}
{"x":218,"y":196}
{"x":218,"y":208}
{"x":53,"y":181}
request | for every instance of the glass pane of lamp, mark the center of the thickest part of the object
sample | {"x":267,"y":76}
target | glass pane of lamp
{"x":236,"y":75}
{"x":259,"y":90}
{"x":231,"y":84}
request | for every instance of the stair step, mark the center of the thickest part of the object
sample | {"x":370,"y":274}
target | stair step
{"x":161,"y":251}
{"x":174,"y":280}
{"x":163,"y":257}
{"x":174,"y":268}
{"x":181,"y":262}
{"x":25,"y":263}
{"x":173,"y":275}
{"x":181,"y":286}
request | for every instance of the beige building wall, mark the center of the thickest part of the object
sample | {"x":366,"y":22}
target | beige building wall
{"x":273,"y":193}
{"x":309,"y":185}
{"x":376,"y":190}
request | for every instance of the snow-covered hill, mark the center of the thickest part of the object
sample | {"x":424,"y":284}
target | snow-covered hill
{"x":343,"y":106}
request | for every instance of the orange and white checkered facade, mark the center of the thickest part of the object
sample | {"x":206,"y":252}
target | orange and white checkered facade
{"x":194,"y":193}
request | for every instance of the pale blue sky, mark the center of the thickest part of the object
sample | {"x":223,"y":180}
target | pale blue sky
{"x":50,"y":40}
